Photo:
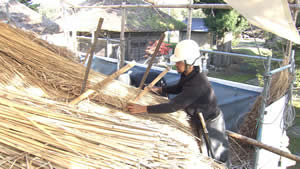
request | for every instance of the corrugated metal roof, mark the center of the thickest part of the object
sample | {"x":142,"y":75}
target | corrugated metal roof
{"x":198,"y":25}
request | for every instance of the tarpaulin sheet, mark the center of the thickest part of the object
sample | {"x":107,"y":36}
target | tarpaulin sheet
{"x":271,"y":15}
{"x":233,"y":101}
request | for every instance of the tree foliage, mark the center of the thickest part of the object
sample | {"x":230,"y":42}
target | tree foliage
{"x":30,"y":4}
{"x":222,"y":21}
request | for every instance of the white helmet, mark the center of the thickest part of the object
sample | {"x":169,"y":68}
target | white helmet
{"x":187,"y":50}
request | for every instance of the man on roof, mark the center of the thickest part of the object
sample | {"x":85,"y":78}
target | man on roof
{"x":194,"y":94}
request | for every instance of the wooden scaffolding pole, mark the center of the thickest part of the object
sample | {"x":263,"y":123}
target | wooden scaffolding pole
{"x":189,"y":22}
{"x":195,"y":6}
{"x":91,"y":55}
{"x":161,"y":39}
{"x":122,"y":38}
{"x":102,"y":83}
{"x":262,"y":145}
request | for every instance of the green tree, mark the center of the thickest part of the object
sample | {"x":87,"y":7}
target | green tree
{"x":30,"y":4}
{"x":226,"y":24}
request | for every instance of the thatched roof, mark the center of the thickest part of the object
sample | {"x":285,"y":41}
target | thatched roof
{"x":138,"y":19}
{"x":88,"y":135}
{"x":25,"y":18}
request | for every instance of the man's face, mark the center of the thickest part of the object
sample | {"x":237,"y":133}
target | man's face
{"x":180,"y":66}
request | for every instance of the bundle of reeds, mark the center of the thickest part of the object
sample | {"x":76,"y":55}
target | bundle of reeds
{"x":30,"y":67}
{"x":39,"y":131}
{"x":279,"y":85}
{"x":43,"y":132}
{"x":60,"y":50}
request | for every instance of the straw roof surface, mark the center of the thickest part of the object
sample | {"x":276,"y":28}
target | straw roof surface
{"x":25,"y":18}
{"x":280,"y":83}
{"x":138,"y":19}
{"x":39,"y":128}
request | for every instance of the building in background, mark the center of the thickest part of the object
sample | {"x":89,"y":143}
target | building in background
{"x":142,"y":26}
{"x":199,"y":33}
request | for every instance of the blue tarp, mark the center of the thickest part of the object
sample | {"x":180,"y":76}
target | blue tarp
{"x":233,"y":101}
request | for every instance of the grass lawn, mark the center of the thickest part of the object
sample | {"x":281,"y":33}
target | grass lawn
{"x":238,"y":77}
{"x":294,"y":146}
{"x":295,"y":141}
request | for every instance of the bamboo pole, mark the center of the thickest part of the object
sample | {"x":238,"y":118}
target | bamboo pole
{"x":262,"y":145}
{"x":161,"y":39}
{"x":91,"y":54}
{"x":147,"y":89}
{"x":102,"y":83}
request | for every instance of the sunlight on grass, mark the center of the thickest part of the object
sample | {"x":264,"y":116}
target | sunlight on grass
{"x":242,"y":78}
{"x":252,"y":51}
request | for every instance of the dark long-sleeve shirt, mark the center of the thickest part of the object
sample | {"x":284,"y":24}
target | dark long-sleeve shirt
{"x":194,"y":94}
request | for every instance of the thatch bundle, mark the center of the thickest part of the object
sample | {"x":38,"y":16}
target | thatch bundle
{"x":98,"y":138}
{"x":279,"y":85}
{"x":27,"y":66}
{"x":40,"y":132}
{"x":244,"y":153}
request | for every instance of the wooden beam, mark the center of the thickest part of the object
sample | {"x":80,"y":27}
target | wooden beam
{"x":162,"y":37}
{"x":102,"y":83}
{"x":195,"y":6}
{"x":147,"y":89}
{"x":207,"y":6}
{"x":91,"y":55}
{"x":189,"y":22}
{"x":262,"y":145}
{"x":122,"y":38}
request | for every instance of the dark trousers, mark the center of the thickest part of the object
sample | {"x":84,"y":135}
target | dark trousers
{"x":217,"y":136}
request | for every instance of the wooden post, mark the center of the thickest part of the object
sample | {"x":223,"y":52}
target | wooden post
{"x":189,"y":25}
{"x":147,"y":89}
{"x":74,"y":41}
{"x":122,"y":37}
{"x":102,"y":83}
{"x":162,"y":37}
{"x":262,"y":145}
{"x":91,"y":55}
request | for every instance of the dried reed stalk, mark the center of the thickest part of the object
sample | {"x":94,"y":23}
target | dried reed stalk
{"x":90,"y":139}
{"x":94,"y":137}
{"x":279,"y":85}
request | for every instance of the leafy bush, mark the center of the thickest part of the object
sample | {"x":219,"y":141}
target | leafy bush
{"x":30,"y":4}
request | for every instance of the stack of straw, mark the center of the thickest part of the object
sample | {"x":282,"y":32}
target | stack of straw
{"x":280,"y":83}
{"x":41,"y":132}
{"x":69,"y":138}
{"x":32,"y":68}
